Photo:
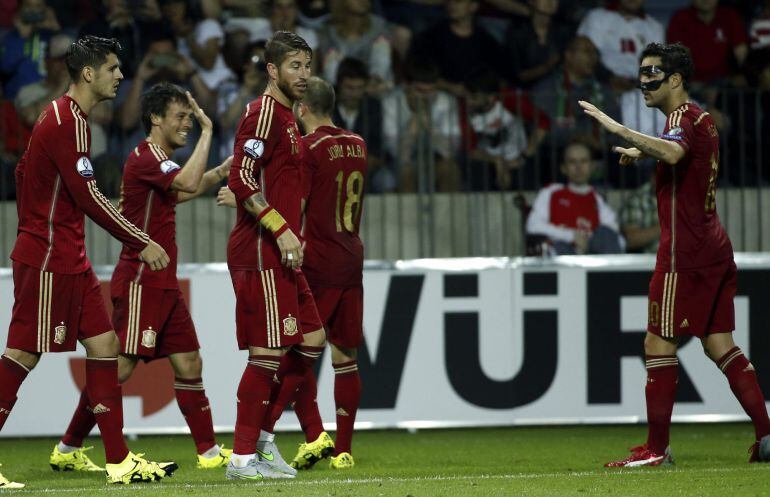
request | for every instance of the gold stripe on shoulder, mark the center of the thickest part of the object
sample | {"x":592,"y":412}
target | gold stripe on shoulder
{"x":700,"y":118}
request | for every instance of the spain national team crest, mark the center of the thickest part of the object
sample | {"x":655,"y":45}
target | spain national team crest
{"x":148,"y":338}
{"x":290,"y":326}
{"x":60,"y":333}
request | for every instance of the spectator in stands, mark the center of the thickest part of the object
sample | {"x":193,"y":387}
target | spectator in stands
{"x":34,"y":97}
{"x":534,"y":46}
{"x":459,"y":47}
{"x":357,"y":111}
{"x":353,"y":31}
{"x":620,"y":35}
{"x":201,"y":42}
{"x":131,"y":25}
{"x":559,"y":93}
{"x":639,"y":218}
{"x":421,"y":132}
{"x":283,"y":17}
{"x":22,"y":55}
{"x":162,"y":62}
{"x":313,"y":13}
{"x":759,"y":32}
{"x":573,"y":218}
{"x":234,"y":95}
{"x":716,"y":37}
{"x":498,"y":136}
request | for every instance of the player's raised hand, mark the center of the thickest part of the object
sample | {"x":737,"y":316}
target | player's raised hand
{"x":291,"y":249}
{"x":628,"y":155}
{"x":226,"y":197}
{"x":155,"y":257}
{"x":201,"y":116}
{"x":609,"y":123}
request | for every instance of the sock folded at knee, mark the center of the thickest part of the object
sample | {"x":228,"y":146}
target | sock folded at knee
{"x":12,"y":375}
{"x":195,"y":407}
{"x":106,"y":403}
{"x":347,"y":397}
{"x":253,"y":401}
{"x":660,"y":392}
{"x":743,"y":382}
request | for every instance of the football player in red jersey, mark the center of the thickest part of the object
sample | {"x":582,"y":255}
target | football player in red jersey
{"x":694,"y":283}
{"x":150,"y":315}
{"x":274,"y":308}
{"x":335,"y":164}
{"x":57,"y":296}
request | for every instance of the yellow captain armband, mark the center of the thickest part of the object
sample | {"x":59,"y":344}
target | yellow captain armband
{"x":272,"y":220}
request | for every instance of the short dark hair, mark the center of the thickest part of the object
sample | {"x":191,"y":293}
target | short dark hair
{"x":576,"y":142}
{"x":485,"y":81}
{"x":319,"y":97}
{"x":419,"y":70}
{"x":89,"y":51}
{"x":156,"y":100}
{"x":351,"y":68}
{"x":674,"y":58}
{"x":282,"y":44}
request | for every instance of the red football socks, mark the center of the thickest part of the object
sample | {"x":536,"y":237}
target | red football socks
{"x":192,"y":400}
{"x":347,"y":396}
{"x":294,"y":366}
{"x":253,"y":401}
{"x":743,"y":382}
{"x":12,"y":375}
{"x":83,"y":421}
{"x":662,"y":377}
{"x":106,"y":403}
{"x":306,"y":408}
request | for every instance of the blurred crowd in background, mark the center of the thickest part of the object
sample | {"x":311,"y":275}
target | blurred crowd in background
{"x":450,"y":95}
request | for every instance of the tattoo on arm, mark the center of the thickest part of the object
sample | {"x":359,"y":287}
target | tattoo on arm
{"x":256,"y":203}
{"x":650,"y":149}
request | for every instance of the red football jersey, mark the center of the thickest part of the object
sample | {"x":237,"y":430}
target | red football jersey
{"x":333,"y":183}
{"x":691,"y":235}
{"x":55,"y":187}
{"x":147,"y":201}
{"x":267,"y":158}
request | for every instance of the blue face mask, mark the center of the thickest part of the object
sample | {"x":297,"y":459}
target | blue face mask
{"x":651,"y":71}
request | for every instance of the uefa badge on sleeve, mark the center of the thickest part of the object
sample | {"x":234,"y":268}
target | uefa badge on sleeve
{"x":290,"y":326}
{"x":168,"y":165}
{"x":84,"y":167}
{"x":254,"y":148}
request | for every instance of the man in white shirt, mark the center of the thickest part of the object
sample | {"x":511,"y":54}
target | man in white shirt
{"x":620,"y":34}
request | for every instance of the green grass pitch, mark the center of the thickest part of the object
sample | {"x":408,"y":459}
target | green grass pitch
{"x":544,"y":461}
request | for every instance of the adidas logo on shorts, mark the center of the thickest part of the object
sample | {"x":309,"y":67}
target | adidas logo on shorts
{"x":685,"y":323}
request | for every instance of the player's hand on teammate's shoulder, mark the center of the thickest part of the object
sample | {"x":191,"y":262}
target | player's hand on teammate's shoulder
{"x":291,"y":249}
{"x":226,"y":197}
{"x":201,"y":116}
{"x":628,"y":155}
{"x":155,"y":256}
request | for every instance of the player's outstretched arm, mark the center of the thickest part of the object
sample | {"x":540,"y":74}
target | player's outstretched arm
{"x":271,"y":219}
{"x":209,"y":180}
{"x":657,"y":148}
{"x":189,"y":179}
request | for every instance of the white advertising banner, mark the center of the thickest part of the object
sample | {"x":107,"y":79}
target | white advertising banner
{"x":449,"y":342}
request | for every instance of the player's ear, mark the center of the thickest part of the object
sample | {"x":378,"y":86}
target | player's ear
{"x":155,"y":119}
{"x":88,"y":74}
{"x":272,"y":70}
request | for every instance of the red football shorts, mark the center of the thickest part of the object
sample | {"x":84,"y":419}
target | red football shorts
{"x":696,"y":302}
{"x":342,"y":312}
{"x":151,"y":322}
{"x":272,"y":307}
{"x":52,"y":311}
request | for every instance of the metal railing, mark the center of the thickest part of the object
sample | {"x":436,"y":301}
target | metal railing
{"x":476,"y":217}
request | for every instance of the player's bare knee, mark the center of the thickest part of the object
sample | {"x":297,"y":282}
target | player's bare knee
{"x":27,"y":359}
{"x":316,"y":338}
{"x":343,"y":354}
{"x":104,"y":345}
{"x":188,"y":366}
{"x":655,"y":345}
